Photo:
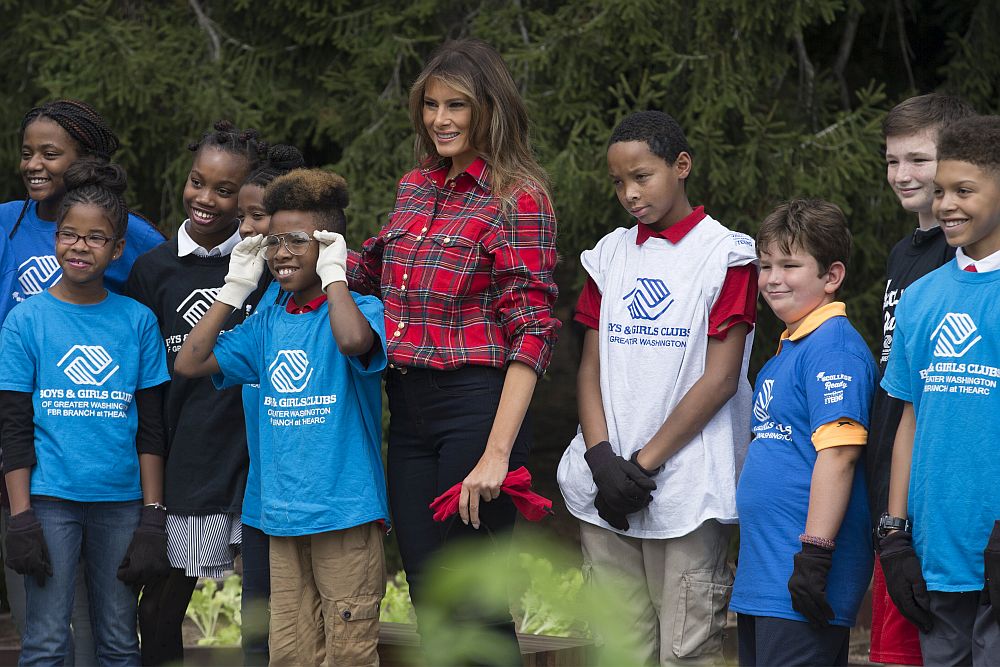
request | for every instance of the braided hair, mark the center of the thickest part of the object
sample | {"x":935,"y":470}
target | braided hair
{"x":227,"y":137}
{"x":281,"y":159}
{"x":83,"y":124}
{"x":98,"y":183}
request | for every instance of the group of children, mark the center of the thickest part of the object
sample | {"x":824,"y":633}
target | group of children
{"x":132,"y":348}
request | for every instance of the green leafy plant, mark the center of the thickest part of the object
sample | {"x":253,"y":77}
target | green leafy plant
{"x":216,"y":611}
{"x":396,"y":605}
{"x":549,"y":603}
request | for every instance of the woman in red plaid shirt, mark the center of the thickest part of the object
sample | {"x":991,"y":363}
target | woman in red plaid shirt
{"x":464,"y":266}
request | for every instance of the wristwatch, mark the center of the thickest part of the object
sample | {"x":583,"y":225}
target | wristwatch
{"x":887,"y":522}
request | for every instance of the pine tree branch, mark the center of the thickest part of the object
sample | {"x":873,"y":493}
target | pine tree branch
{"x":207,"y":25}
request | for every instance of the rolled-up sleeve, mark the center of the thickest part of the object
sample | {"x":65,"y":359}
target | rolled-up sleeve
{"x":524,"y":260}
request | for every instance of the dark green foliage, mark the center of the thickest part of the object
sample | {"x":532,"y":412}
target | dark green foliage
{"x":778,"y":99}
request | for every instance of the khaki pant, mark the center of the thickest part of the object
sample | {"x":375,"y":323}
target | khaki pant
{"x":676,"y":590}
{"x":325,"y":596}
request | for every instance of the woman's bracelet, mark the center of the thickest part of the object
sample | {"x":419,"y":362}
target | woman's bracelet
{"x":821,"y":542}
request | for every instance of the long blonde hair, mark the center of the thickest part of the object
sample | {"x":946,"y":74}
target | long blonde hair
{"x":499,"y":130}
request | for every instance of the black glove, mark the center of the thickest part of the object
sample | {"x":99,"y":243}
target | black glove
{"x":903,"y":579}
{"x":613,"y":518}
{"x":991,"y":563}
{"x":27,"y":553}
{"x":626,"y":488}
{"x":146,"y":557}
{"x":808,"y":584}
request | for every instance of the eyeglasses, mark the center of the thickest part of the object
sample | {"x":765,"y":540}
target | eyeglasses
{"x":295,"y":242}
{"x":66,"y":237}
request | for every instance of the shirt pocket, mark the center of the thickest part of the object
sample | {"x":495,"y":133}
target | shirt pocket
{"x":455,"y":265}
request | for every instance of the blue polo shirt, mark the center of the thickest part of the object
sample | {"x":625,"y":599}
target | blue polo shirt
{"x":823,"y":373}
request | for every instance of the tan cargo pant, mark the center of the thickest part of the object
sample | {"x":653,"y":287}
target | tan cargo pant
{"x":325,"y":596}
{"x":677,"y":589}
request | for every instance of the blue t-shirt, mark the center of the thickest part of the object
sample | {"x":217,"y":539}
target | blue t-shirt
{"x":251,"y":413}
{"x":82,"y":366}
{"x":945,"y":360}
{"x":320,"y":418}
{"x":824,"y":376}
{"x":8,"y":277}
{"x":33,"y":247}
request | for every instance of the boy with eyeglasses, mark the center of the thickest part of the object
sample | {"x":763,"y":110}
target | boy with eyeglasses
{"x":323,"y":499}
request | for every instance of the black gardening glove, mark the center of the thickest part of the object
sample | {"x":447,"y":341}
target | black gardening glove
{"x":613,"y":518}
{"x":903,"y":579}
{"x":27,"y":553}
{"x":146,"y":558}
{"x":626,"y":488}
{"x":991,"y":562}
{"x":808,"y":584}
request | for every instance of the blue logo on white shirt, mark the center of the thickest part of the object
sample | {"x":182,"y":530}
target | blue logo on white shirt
{"x":650,"y":299}
{"x":290,"y":371}
{"x":952,"y":336}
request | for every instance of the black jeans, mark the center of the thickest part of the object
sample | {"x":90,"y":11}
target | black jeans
{"x":438,"y":428}
{"x":256,"y":591}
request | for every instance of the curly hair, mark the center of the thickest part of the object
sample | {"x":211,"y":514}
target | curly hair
{"x":98,"y":183}
{"x":975,"y":140}
{"x":313,"y":190}
{"x":227,"y":137}
{"x":658,"y":130}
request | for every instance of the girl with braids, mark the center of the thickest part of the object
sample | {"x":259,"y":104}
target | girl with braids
{"x":464,"y":266}
{"x":254,"y":220}
{"x":206,"y":467}
{"x":81,"y":373}
{"x":53,"y":136}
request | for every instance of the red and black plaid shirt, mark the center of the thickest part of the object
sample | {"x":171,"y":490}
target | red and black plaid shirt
{"x":463,"y":282}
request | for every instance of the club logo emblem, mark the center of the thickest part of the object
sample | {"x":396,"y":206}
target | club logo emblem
{"x":88,"y":364}
{"x":955,"y":336}
{"x":197,"y":303}
{"x":37,"y":274}
{"x":763,"y":401}
{"x":290,"y":371}
{"x":649,"y":299}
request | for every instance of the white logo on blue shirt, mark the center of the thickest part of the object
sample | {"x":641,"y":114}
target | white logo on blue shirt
{"x":197,"y":303}
{"x":951,"y":338}
{"x":88,"y":364}
{"x":37,"y":274}
{"x":290,"y":371}
{"x":650,"y":299}
{"x":763,"y":401}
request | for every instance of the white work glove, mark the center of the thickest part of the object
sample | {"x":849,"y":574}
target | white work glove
{"x":331,"y":266}
{"x":246,"y":265}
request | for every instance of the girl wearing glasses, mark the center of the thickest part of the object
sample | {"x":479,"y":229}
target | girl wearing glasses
{"x":464,"y":267}
{"x":206,"y":469}
{"x":53,"y":137}
{"x":81,"y":370}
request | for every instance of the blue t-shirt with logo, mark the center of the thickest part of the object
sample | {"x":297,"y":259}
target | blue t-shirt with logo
{"x":251,"y":413}
{"x":945,"y":360}
{"x":8,"y":277}
{"x":826,"y":375}
{"x":82,"y":365}
{"x":33,"y":248}
{"x":320,"y":418}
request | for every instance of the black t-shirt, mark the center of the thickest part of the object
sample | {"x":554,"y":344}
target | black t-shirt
{"x":207,"y":461}
{"x":910,"y":259}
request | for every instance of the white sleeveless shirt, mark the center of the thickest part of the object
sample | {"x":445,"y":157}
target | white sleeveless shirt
{"x":655,"y":305}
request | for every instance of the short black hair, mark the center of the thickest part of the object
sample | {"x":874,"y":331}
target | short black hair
{"x":975,"y":140}
{"x":658,"y":130}
{"x":82,"y":123}
{"x":98,"y":183}
{"x":312,"y":190}
{"x":227,"y":137}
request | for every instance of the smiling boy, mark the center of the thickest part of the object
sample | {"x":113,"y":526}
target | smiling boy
{"x":943,"y":494}
{"x":323,"y":496}
{"x":805,"y":545}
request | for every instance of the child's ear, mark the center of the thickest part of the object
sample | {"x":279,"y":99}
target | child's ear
{"x":682,"y":165}
{"x":119,"y":249}
{"x":835,"y":277}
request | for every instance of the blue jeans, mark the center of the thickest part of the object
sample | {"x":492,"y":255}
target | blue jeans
{"x":101,"y":533}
